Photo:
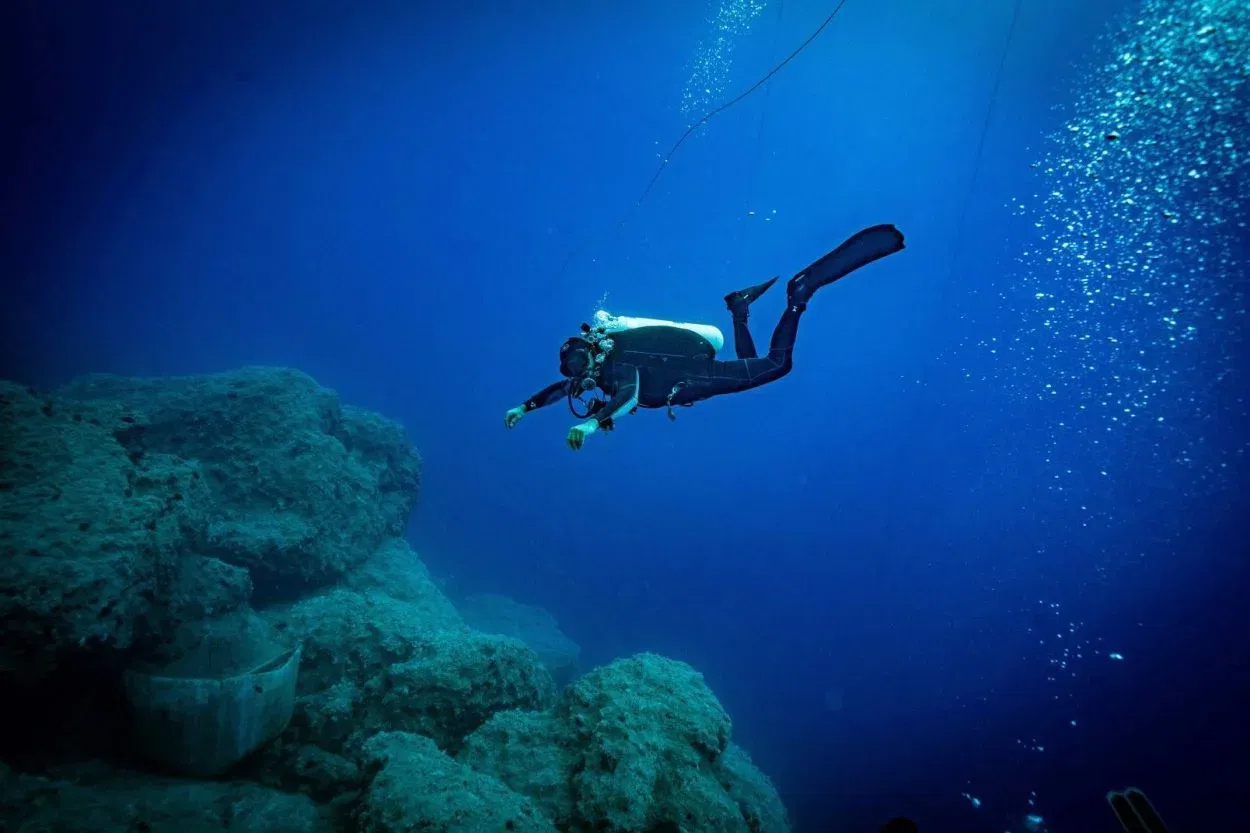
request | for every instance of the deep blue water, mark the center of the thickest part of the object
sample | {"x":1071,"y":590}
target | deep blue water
{"x":902,"y":568}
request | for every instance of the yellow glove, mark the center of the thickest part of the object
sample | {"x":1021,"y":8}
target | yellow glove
{"x":513,"y":416}
{"x":578,"y":433}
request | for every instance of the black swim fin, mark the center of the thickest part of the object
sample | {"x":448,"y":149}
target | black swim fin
{"x":860,"y":249}
{"x":1135,"y":812}
{"x":743,"y":298}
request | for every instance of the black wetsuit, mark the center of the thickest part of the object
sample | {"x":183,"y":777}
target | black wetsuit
{"x":664,"y":367}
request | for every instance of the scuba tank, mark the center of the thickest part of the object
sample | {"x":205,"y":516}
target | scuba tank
{"x":608,"y":324}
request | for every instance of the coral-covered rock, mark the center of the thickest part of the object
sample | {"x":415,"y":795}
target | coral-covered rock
{"x":205,"y":588}
{"x":492,"y":613}
{"x":324,"y":775}
{"x":641,"y":744}
{"x":372,"y":662}
{"x":456,"y":681}
{"x":752,"y":791}
{"x":350,"y":637}
{"x":301,"y":486}
{"x":92,"y":537}
{"x":135,"y":513}
{"x":130,"y":802}
{"x":535,"y":754}
{"x":394,"y":569}
{"x":417,"y":787}
{"x":652,"y":700}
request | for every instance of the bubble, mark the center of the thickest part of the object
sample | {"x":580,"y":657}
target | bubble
{"x":1119,"y":329}
{"x":1123,"y":316}
{"x":710,"y":69}
{"x":601,"y":307}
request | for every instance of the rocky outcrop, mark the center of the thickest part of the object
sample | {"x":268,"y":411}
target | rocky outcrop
{"x":397,"y":571}
{"x":536,"y":627}
{"x":139,"y":515}
{"x":302,"y":486}
{"x":641,"y":744}
{"x":129,"y":507}
{"x":103,"y":801}
{"x":417,"y":787}
{"x":96,"y":542}
{"x":374,"y":662}
{"x":198,"y":526}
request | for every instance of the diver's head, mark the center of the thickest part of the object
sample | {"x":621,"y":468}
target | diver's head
{"x":575,"y":358}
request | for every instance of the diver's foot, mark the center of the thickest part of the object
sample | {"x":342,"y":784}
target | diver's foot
{"x":743,"y":298}
{"x":860,"y":249}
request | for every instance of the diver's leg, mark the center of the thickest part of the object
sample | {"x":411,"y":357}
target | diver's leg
{"x":744,"y":345}
{"x":754,"y":372}
{"x":780,"y":358}
{"x":860,"y":249}
{"x":739,"y":304}
{"x":747,"y":373}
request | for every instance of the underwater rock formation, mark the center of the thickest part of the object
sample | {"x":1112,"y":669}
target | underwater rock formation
{"x":417,"y":787}
{"x":302,"y":486}
{"x":106,"y":801}
{"x":96,"y":543}
{"x":394,"y":569}
{"x":200,"y":527}
{"x":641,"y":744}
{"x":454,"y":684}
{"x":537,"y":628}
{"x":373,"y":662}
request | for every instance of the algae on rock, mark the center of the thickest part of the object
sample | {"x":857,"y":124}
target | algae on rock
{"x":417,"y":787}
{"x":93,"y":539}
{"x":536,"y":627}
{"x":640,"y":744}
{"x":302,"y":486}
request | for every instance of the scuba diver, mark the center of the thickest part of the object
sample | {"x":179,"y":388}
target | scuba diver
{"x":643,"y":363}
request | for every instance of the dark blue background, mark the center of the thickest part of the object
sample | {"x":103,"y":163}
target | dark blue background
{"x":384,"y":194}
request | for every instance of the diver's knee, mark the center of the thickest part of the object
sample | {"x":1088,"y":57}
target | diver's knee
{"x":781,"y":364}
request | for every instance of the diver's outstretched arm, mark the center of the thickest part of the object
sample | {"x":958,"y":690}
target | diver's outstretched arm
{"x":549,"y":395}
